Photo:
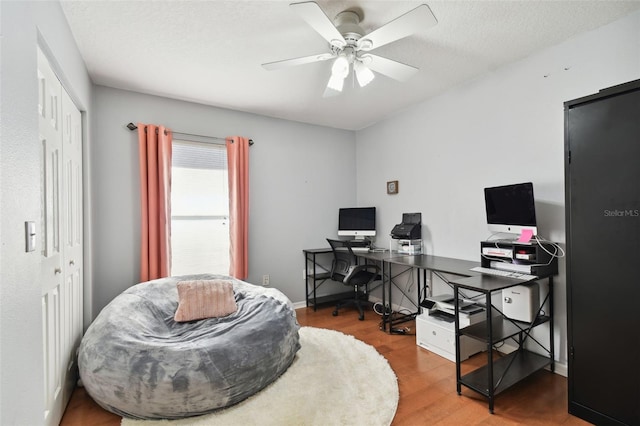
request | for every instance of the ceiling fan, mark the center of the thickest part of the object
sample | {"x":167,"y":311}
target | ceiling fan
{"x":349,"y":46}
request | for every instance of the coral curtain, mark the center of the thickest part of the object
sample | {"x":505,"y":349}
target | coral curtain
{"x":238,"y":159}
{"x":154,"y":145}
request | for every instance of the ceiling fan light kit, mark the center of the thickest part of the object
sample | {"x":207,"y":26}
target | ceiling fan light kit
{"x":363,"y":74}
{"x":349,"y":45}
{"x":340,"y":67}
{"x":336,"y":83}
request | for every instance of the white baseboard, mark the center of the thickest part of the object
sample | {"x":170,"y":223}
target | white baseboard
{"x":561,"y":368}
{"x":298,"y":305}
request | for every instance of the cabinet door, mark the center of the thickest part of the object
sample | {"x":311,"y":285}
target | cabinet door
{"x":603,"y":226}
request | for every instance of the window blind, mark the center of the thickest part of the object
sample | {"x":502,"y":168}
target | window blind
{"x":199,"y":155}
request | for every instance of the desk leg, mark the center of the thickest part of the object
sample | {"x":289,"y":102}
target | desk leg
{"x":306,"y":277}
{"x":457,"y":336}
{"x":551,"y":343}
{"x":315,"y":304}
{"x":390,"y":317}
{"x":490,"y":388}
{"x":422,"y":289}
{"x":384,"y":296}
{"x":425,"y":287}
{"x":310,"y":258}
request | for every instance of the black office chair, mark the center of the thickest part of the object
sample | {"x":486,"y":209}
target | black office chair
{"x":345,"y":269}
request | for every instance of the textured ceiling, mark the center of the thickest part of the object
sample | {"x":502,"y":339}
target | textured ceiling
{"x":211,"y":52}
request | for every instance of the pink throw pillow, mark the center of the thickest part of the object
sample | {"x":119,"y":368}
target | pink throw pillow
{"x":202,"y":299}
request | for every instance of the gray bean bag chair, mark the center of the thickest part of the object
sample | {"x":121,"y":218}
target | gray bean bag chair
{"x":136,"y":361}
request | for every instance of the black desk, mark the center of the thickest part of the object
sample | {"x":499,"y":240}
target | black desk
{"x":439,"y":264}
{"x":434,"y":265}
{"x":315,"y":275}
{"x":495,"y":376}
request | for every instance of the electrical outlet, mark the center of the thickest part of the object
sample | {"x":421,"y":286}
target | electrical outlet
{"x":265,"y":280}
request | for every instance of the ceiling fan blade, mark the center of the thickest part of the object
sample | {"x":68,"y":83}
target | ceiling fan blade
{"x":411,"y":22}
{"x":393,"y":69}
{"x":297,"y":61}
{"x":319,"y":21}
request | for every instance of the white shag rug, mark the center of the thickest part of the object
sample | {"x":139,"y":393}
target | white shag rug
{"x":335,"y":379}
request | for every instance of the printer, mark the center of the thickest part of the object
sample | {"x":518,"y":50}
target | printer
{"x":409,"y":229}
{"x":435,"y":326}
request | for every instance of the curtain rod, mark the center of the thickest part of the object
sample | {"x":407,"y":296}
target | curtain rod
{"x":133,"y":127}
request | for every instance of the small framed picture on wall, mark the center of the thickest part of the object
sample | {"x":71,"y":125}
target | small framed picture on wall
{"x":392,"y":187}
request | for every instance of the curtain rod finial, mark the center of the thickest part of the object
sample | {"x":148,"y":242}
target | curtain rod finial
{"x":131,"y":126}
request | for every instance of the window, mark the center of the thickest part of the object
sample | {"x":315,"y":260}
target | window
{"x":199,"y":209}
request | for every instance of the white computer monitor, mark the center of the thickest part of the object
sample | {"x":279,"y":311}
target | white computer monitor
{"x":357,"y":222}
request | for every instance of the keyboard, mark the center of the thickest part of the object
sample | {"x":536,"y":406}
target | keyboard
{"x":501,"y":273}
{"x":360,"y":249}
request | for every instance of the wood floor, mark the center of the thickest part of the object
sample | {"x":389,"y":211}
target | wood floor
{"x":427,"y":384}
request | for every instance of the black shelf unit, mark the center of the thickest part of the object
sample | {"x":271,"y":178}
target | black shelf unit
{"x":507,"y":371}
{"x":503,"y":372}
{"x":538,"y":257}
{"x":501,"y":328}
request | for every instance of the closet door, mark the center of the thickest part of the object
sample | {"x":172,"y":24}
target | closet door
{"x":603,"y":247}
{"x":61,"y":242}
{"x":51,"y":277}
{"x":72,"y":213}
{"x":72,"y":243}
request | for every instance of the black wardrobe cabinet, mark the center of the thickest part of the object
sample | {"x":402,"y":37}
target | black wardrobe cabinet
{"x":602,"y":196}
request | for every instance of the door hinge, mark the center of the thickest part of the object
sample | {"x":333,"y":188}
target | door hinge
{"x":569,"y":157}
{"x":571,"y":352}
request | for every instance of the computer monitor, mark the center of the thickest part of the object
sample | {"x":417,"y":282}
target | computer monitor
{"x":511,"y":208}
{"x":358,"y":222}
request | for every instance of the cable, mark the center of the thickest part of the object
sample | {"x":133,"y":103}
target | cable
{"x":556,"y":246}
{"x":383,"y":310}
{"x":403,"y":330}
{"x":501,"y":239}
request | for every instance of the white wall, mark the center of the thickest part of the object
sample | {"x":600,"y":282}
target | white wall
{"x":505,"y":127}
{"x":299,"y":176}
{"x":24,"y":25}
